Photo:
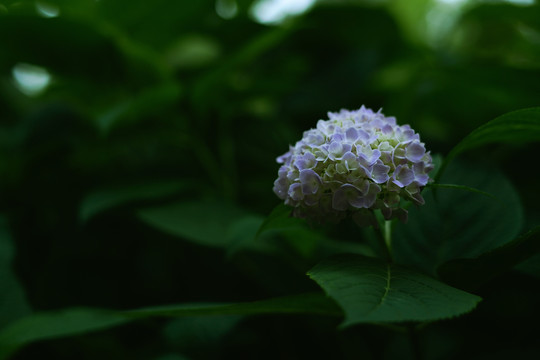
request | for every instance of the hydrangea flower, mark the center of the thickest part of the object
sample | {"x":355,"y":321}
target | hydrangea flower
{"x":352,"y":164}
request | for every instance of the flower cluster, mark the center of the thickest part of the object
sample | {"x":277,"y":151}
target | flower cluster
{"x":354,"y":163}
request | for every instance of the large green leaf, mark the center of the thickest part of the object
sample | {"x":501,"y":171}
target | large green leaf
{"x":371,"y":291}
{"x":457,"y":223}
{"x":514,"y":127}
{"x":13,"y":302}
{"x":205,"y":223}
{"x":312,"y":303}
{"x":56,"y":324}
{"x":470,"y":273}
{"x":106,"y":199}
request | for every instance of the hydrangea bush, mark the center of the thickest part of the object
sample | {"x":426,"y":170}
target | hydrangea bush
{"x":352,"y":164}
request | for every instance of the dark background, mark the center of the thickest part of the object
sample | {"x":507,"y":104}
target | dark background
{"x":154,"y":103}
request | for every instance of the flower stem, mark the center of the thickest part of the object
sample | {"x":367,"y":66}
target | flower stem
{"x":388,"y":235}
{"x":384,"y":236}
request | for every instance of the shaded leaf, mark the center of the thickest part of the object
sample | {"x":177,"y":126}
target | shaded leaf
{"x":13,"y":303}
{"x":199,"y":332}
{"x":470,"y":273}
{"x":200,"y":222}
{"x":56,"y":324}
{"x":142,"y":105}
{"x":306,"y":239}
{"x":531,"y":266}
{"x":280,"y":221}
{"x":371,"y":291}
{"x":459,"y":224}
{"x":461,"y":187}
{"x":103,"y":200}
{"x":519,"y":126}
{"x":296,"y":304}
{"x":242,"y":235}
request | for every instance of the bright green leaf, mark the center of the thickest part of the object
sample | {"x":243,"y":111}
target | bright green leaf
{"x":371,"y":291}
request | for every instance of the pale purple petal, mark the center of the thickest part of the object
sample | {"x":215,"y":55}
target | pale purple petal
{"x":403,"y":176}
{"x":338,"y":137}
{"x":351,"y":134}
{"x":314,"y":137}
{"x":350,"y":161}
{"x":415,"y":151}
{"x":310,"y":181}
{"x":387,"y":129}
{"x":391,"y":120}
{"x":368,"y":156}
{"x":379,"y":173}
{"x":285,"y":158}
{"x":357,"y":198}
{"x":280,"y":188}
{"x":306,"y":161}
{"x":295,"y":192}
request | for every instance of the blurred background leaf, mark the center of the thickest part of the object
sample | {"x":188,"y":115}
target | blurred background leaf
{"x":13,"y":303}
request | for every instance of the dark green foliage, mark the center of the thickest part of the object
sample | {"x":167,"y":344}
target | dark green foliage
{"x":371,"y":291}
{"x":455,"y":223}
{"x":141,"y":176}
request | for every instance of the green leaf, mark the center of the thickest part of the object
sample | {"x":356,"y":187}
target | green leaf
{"x":242,"y":235}
{"x":312,"y":303}
{"x":305,"y":239}
{"x":56,"y":324}
{"x":519,"y":126}
{"x":106,"y":199}
{"x":142,"y":105}
{"x":459,"y":224}
{"x":199,"y":332}
{"x":531,"y":266}
{"x":280,"y":219}
{"x":13,"y":303}
{"x":460,"y":187}
{"x":371,"y":291}
{"x":470,"y":273}
{"x":205,"y":223}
